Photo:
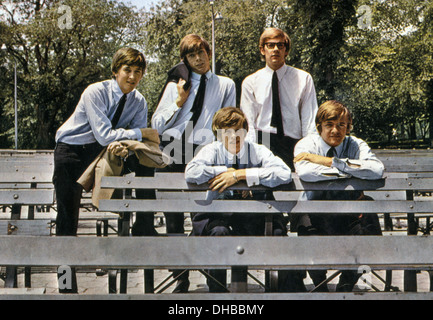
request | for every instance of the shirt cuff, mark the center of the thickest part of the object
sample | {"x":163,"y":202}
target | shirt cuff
{"x":219,"y":169}
{"x":340,"y":164}
{"x":252,"y":175}
{"x":135,"y":134}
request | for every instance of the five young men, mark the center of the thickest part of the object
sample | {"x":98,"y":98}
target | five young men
{"x":278,"y":108}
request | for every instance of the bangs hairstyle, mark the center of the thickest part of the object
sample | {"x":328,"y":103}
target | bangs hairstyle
{"x":193,"y":43}
{"x":129,"y":57}
{"x":228,"y":117}
{"x":271,"y":33}
{"x":332,"y":110}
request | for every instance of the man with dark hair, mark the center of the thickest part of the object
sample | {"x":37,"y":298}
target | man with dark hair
{"x":184,"y":114}
{"x":108,"y":111}
{"x":224,"y":163}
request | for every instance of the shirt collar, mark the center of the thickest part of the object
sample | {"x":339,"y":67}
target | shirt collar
{"x":325,"y":147}
{"x":230,"y":156}
{"x":117,"y":92}
{"x":280,"y":72}
{"x":196,"y":76}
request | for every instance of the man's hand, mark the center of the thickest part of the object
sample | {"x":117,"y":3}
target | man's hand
{"x":183,"y":95}
{"x":117,"y":149}
{"x":314,"y":158}
{"x":222,"y":181}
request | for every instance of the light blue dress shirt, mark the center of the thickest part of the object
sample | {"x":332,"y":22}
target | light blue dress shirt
{"x":351,"y":151}
{"x":172,"y":121}
{"x":262,"y":166}
{"x":91,"y":120}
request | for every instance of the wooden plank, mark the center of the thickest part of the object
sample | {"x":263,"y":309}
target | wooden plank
{"x":27,"y":197}
{"x":25,"y":152}
{"x":351,"y":252}
{"x":396,"y":167}
{"x":403,"y":152}
{"x":176,"y":181}
{"x":255,"y":206}
{"x":24,"y":292}
{"x":408,"y":160}
{"x":20,"y":176}
{"x":230,"y":296}
{"x":25,"y":227}
{"x":41,"y":185}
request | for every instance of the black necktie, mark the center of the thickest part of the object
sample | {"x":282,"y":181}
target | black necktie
{"x":331,"y":152}
{"x":276,"y":120}
{"x":119,"y":111}
{"x":198,"y":101}
{"x":235,"y":163}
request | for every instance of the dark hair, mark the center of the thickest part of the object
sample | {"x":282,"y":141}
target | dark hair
{"x":127,"y":56}
{"x":332,"y":110}
{"x":192,"y":43}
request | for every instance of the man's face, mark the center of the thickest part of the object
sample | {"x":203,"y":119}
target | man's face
{"x":275,"y":52}
{"x":199,"y":61}
{"x":334,"y":131}
{"x":128,"y":77}
{"x":233,"y":138}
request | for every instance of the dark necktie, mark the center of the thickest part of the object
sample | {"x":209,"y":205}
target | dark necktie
{"x":276,"y":120}
{"x":198,"y":101}
{"x":235,"y":162}
{"x":119,"y":111}
{"x":331,"y":152}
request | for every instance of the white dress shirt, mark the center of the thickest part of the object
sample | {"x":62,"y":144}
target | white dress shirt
{"x":91,"y":120}
{"x":297,"y":99}
{"x":351,"y":151}
{"x":171,"y":120}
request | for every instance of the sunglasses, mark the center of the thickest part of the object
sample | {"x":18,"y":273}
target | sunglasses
{"x":271,"y":45}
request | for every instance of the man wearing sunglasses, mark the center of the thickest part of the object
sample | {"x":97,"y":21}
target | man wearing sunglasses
{"x":279,"y":101}
{"x":280,"y":104}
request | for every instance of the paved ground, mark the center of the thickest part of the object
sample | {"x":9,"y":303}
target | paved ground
{"x":91,"y":283}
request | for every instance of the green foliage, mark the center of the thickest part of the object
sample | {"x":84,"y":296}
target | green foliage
{"x":382,"y":69}
{"x":384,"y":72}
{"x":56,"y":62}
{"x":236,"y":37}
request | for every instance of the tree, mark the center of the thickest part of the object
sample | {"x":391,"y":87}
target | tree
{"x":320,"y":35}
{"x":384,"y":71}
{"x":60,"y":48}
{"x":237,"y":37}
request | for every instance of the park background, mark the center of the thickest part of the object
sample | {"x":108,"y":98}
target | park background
{"x":374,"y":55}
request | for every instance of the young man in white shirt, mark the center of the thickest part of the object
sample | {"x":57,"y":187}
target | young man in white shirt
{"x":333,"y":154}
{"x":279,"y":100}
{"x":184,"y":114}
{"x":224,"y":163}
{"x":182,"y":128}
